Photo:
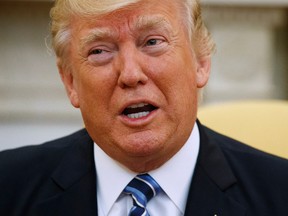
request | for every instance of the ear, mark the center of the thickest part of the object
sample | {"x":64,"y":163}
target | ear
{"x":203,"y":71}
{"x":69,"y":83}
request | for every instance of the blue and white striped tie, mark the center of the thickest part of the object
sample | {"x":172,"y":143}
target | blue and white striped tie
{"x":142,"y":188}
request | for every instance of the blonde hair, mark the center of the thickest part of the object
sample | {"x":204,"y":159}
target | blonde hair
{"x":63,"y":11}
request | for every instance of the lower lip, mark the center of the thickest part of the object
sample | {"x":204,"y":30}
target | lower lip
{"x":138,"y":121}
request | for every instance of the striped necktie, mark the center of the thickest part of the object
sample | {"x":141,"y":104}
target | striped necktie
{"x":142,"y":188}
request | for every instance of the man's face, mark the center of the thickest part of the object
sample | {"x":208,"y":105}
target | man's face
{"x":135,"y":77}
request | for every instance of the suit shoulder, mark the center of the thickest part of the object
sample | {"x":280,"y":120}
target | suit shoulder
{"x":28,"y":157}
{"x":237,"y":147}
{"x":251,"y":162}
{"x":27,"y":172}
{"x":260,"y":178}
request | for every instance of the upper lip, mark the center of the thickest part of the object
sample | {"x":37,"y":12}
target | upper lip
{"x":136,"y":103}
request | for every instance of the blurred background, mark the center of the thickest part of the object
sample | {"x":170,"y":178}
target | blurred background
{"x":251,"y":62}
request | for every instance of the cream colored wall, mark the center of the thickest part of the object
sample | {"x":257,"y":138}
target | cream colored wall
{"x":250,"y":63}
{"x":249,"y":3}
{"x":29,"y":84}
{"x":33,"y":103}
{"x":251,"y":57}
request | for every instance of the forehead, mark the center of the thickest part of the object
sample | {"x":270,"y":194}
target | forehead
{"x":142,"y":13}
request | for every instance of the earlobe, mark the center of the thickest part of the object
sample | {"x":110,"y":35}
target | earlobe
{"x":69,"y":83}
{"x":203,"y":71}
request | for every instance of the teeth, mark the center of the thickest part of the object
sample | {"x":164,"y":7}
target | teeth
{"x":138,"y":115}
{"x":138,"y":105}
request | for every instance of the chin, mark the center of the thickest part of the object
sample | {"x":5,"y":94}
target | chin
{"x":145,"y":145}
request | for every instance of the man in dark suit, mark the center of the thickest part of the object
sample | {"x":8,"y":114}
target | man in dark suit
{"x":134,"y":68}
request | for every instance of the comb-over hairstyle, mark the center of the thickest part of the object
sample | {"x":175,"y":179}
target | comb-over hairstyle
{"x":63,"y":11}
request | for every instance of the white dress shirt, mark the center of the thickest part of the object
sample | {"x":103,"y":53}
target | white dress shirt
{"x":174,"y":177}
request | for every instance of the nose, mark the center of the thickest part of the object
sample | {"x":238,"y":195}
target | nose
{"x":130,"y":67}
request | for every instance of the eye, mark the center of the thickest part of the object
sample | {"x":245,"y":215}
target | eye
{"x":99,"y":55}
{"x":155,"y":45}
{"x":96,"y":52}
{"x":153,"y":42}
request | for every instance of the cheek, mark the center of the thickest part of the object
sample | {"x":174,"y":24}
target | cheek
{"x":96,"y":81}
{"x":95,"y":90}
{"x":177,"y":81}
{"x":174,"y":75}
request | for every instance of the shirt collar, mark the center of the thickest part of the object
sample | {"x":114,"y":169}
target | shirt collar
{"x":177,"y":171}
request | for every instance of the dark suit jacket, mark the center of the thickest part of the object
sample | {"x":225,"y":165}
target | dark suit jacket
{"x":59,"y":179}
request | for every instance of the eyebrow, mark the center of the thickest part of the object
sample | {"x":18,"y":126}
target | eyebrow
{"x":142,"y":23}
{"x":152,"y":22}
{"x":96,"y":35}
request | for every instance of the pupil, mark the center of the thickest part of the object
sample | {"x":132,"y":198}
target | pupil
{"x":97,"y":51}
{"x":152,"y":42}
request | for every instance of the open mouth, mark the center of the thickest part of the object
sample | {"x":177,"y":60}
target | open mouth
{"x":140,"y":110}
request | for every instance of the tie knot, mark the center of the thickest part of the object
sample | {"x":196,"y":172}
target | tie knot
{"x":142,"y":188}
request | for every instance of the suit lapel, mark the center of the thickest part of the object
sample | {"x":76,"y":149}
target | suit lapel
{"x":212,"y":180}
{"x":72,"y":190}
